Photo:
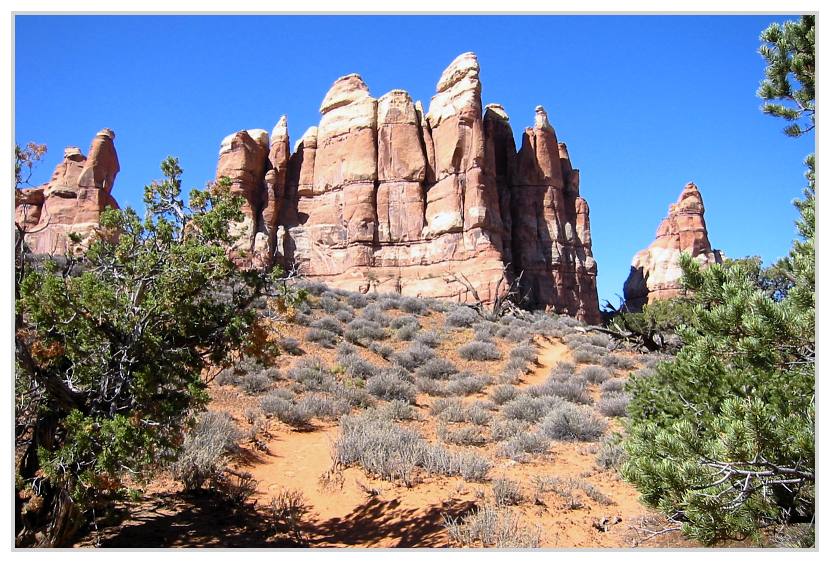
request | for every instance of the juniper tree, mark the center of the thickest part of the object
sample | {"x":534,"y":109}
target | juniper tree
{"x":722,"y":438}
{"x":112,"y":350}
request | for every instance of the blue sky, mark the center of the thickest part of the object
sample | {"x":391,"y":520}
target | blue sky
{"x":645,"y":103}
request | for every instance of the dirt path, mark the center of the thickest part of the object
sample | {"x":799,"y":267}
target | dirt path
{"x":356,"y":510}
{"x":551,"y":352}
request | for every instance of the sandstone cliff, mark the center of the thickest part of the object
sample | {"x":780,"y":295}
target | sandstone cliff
{"x":383,"y":196}
{"x":655,"y":271}
{"x":72,"y":200}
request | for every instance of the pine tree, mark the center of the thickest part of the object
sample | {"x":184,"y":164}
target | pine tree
{"x":112,"y":350}
{"x":722,"y":438}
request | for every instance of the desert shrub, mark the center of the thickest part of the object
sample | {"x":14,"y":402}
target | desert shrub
{"x":282,"y":393}
{"x":614,"y":385}
{"x":312,"y":374}
{"x":388,"y":386}
{"x":353,"y":394}
{"x":286,"y":512}
{"x":323,"y":406}
{"x":345,"y":349}
{"x":598,"y":339}
{"x":618,"y":361}
{"x":235,"y":486}
{"x":364,"y":332}
{"x":227,"y":376}
{"x":414,"y":306}
{"x":297,"y":415}
{"x":385,"y":351}
{"x":503,"y":428}
{"x":510,"y":376}
{"x":356,"y":366}
{"x":570,"y":422}
{"x":313,"y":288}
{"x":431,"y":387}
{"x":594,"y":374}
{"x":451,"y":410}
{"x":503,"y":393}
{"x":528,"y":408}
{"x":564,"y":367}
{"x":586,"y":356}
{"x":357,"y":300}
{"x":407,"y":332}
{"x":611,"y":453}
{"x":398,"y":410}
{"x":375,"y":314}
{"x":525,"y":352}
{"x":506,"y":492}
{"x":428,"y":338}
{"x":485,"y":330}
{"x":522,"y":443}
{"x":519,"y":333}
{"x":380,"y":447}
{"x":492,"y":526}
{"x":344,"y":316}
{"x":479,"y":351}
{"x":461,"y":317}
{"x":567,"y":487}
{"x":415,"y":355}
{"x":405,"y":320}
{"x":548,"y":326}
{"x":613,"y":404}
{"x":464,"y":383}
{"x":436,"y":368}
{"x":255,"y":383}
{"x":290,"y":345}
{"x":469,"y":435}
{"x":331,"y":304}
{"x":477,"y":414}
{"x":472,"y":467}
{"x":303,"y":319}
{"x":388,"y":302}
{"x":213,"y":437}
{"x":328,"y":323}
{"x":572,"y":390}
{"x":324,"y":338}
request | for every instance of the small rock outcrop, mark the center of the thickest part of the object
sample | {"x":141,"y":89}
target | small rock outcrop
{"x":383,"y":196}
{"x":655,"y":271}
{"x":72,"y":200}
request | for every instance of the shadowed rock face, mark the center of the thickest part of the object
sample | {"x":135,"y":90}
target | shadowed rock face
{"x":655,"y":271}
{"x":384,"y":196}
{"x":72,"y":200}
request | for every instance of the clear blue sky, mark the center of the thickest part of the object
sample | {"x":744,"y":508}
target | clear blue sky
{"x":645,"y":103}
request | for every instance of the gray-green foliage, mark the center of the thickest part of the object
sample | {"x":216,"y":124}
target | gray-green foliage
{"x":723,"y":436}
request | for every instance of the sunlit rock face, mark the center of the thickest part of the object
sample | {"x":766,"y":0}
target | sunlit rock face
{"x":655,"y":271}
{"x":384,"y":196}
{"x":72,"y":200}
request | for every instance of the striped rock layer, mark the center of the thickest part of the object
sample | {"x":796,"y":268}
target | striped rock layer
{"x":384,"y":196}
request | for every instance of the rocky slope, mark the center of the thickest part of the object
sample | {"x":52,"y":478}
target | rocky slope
{"x":382,"y":196}
{"x":655,"y":271}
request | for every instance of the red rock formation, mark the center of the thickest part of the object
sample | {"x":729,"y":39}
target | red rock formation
{"x":655,"y":271}
{"x":72,"y":200}
{"x":551,"y":232}
{"x":384,"y":196}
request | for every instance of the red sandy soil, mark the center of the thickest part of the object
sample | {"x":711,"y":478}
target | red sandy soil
{"x":351,"y":509}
